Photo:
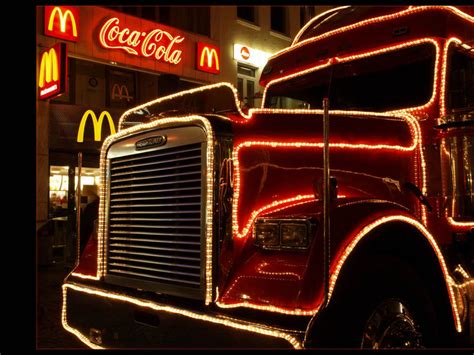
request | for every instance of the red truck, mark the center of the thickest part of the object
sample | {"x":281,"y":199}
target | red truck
{"x":339,"y":214}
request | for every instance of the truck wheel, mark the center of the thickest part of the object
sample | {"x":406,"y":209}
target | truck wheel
{"x":391,"y":325}
{"x":381,"y":303}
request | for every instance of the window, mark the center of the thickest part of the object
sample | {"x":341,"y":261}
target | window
{"x":195,"y":19}
{"x":461,"y":189}
{"x":120,"y":88}
{"x":460,"y":86}
{"x":246,"y":84}
{"x":389,"y":81}
{"x":247,"y":13}
{"x":279,"y":19}
{"x":90,"y":84}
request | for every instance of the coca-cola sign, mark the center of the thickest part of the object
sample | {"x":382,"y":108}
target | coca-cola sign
{"x":156,"y":44}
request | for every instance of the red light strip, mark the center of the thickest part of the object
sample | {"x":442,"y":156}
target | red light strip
{"x":235,"y":156}
{"x":228,"y":322}
{"x":378,"y":19}
{"x":370,"y":53}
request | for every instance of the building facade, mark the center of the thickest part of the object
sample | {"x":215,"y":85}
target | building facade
{"x":118,"y":57}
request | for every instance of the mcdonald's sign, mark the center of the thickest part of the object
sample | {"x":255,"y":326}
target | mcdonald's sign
{"x":208,"y":58}
{"x":52,"y":74}
{"x":61,"y":22}
{"x":97,"y":124}
{"x":120,"y":92}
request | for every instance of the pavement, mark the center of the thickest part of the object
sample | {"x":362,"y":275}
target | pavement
{"x":50,"y":333}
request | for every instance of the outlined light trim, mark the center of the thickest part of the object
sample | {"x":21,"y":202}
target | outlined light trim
{"x":459,"y":224}
{"x":104,"y":168}
{"x":463,"y":272}
{"x":399,"y":218}
{"x":233,"y":323}
{"x":319,"y":145}
{"x":311,"y":21}
{"x":124,"y":116}
{"x":369,"y":53}
{"x":82,"y":276}
{"x":372,"y":20}
{"x":444,"y":74}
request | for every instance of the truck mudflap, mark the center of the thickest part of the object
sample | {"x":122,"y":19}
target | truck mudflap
{"x":102,"y":319}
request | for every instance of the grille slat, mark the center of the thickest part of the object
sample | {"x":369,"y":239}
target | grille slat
{"x":127,"y":252}
{"x":155,"y":170}
{"x":163,"y":241}
{"x":155,"y":216}
{"x":154,"y":198}
{"x":164,"y":271}
{"x":153,"y":184}
{"x":156,"y":191}
{"x":155,"y":277}
{"x":176,"y":175}
{"x":153,"y":163}
{"x":155,"y":262}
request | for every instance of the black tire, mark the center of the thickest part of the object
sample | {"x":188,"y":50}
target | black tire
{"x":362,"y":292}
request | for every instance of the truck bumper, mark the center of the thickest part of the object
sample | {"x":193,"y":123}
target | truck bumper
{"x":102,"y":319}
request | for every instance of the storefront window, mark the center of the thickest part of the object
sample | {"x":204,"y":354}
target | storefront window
{"x":90,"y":84}
{"x":121,"y":91}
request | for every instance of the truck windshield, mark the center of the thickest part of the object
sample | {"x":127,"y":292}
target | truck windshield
{"x":392,"y":80}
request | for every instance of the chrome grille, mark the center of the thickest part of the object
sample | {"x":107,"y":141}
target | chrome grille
{"x":154,"y":219}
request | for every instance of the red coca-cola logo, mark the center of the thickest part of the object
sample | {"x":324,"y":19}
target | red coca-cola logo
{"x":245,"y":53}
{"x":157,"y":43}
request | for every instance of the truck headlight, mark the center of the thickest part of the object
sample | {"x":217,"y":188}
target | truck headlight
{"x":267,"y":234}
{"x":294,"y":235}
{"x":282,"y":233}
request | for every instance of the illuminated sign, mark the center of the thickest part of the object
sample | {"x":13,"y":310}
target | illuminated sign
{"x":251,"y":56}
{"x":52,"y":71}
{"x":97,"y":125}
{"x":208,"y":58}
{"x":120,"y":92}
{"x":61,"y":22}
{"x":157,"y":43}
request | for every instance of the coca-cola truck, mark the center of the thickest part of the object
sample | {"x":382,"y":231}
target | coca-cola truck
{"x":339,"y":214}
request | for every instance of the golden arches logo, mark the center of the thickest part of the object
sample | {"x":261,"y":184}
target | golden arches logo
{"x":63,"y":16}
{"x":209,"y":54}
{"x":49,"y":70}
{"x":120,"y":92}
{"x":97,"y":125}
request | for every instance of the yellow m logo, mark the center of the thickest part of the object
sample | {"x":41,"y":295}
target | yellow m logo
{"x":62,"y":20}
{"x":209,"y":54}
{"x":48,"y":67}
{"x":97,"y":125}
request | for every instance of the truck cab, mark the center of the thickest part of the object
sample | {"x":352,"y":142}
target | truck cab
{"x":339,"y":214}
